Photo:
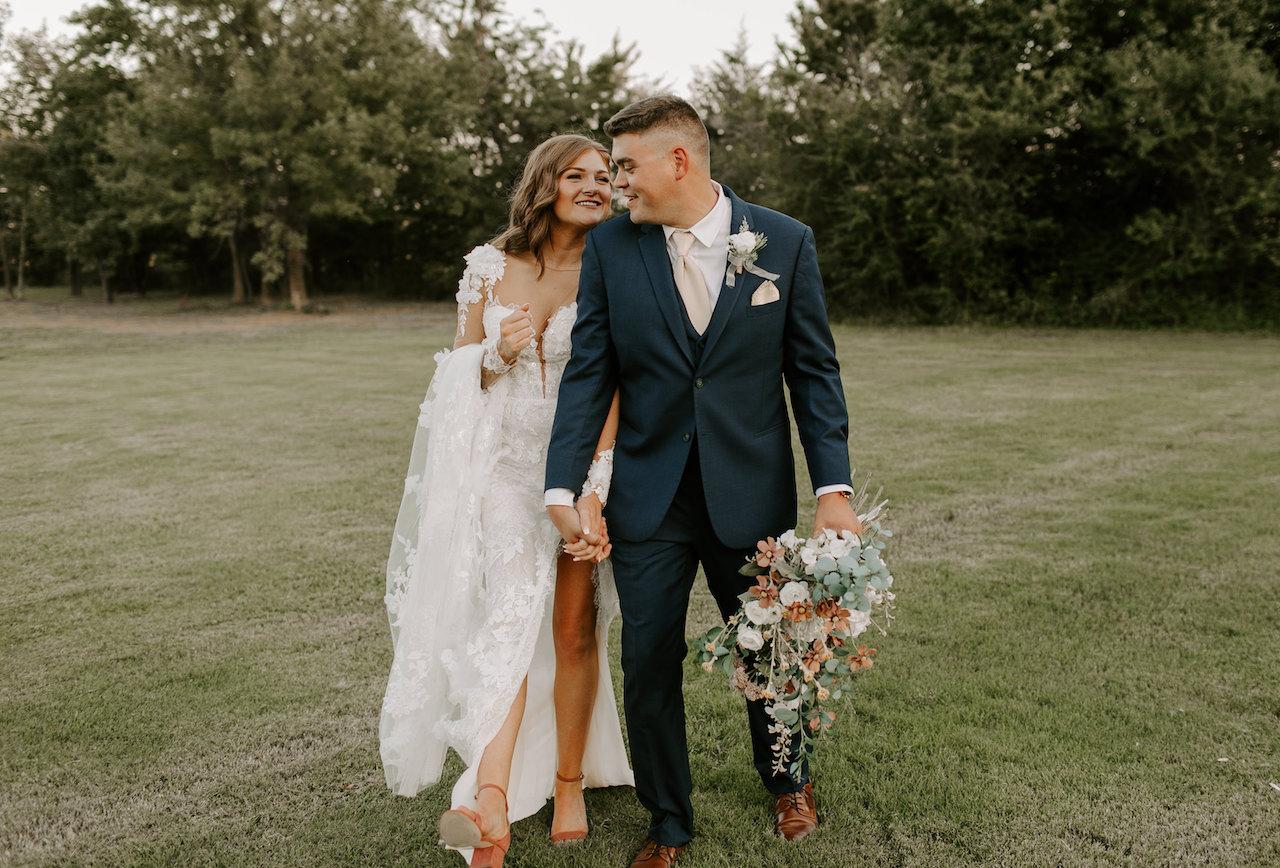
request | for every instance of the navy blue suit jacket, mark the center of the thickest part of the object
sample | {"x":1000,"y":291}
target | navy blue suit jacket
{"x":630,"y":335}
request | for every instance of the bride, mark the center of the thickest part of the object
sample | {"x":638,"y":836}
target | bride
{"x":499,"y":647}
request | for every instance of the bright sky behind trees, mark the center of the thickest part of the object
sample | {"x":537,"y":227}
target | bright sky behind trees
{"x":673,"y":36}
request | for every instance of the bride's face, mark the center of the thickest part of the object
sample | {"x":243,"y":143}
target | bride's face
{"x":584,"y":191}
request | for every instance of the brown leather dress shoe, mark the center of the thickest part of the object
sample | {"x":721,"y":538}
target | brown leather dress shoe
{"x":795,"y":815}
{"x":655,"y":855}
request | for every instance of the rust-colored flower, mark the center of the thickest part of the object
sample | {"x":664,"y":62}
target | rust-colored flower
{"x":815,"y":657}
{"x":767,"y":551}
{"x":862,"y":660}
{"x":765,"y":591}
{"x":836,"y":615}
{"x":799,"y":612}
{"x":827,"y":608}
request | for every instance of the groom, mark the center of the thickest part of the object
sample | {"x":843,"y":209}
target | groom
{"x":703,"y":463}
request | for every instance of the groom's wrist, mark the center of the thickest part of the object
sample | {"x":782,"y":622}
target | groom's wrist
{"x":843,"y":490}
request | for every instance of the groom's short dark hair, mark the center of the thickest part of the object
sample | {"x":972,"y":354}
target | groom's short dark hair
{"x":664,"y":111}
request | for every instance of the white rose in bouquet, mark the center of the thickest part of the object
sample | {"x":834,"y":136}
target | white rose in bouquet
{"x":858,"y":622}
{"x":750,"y":638}
{"x":758,"y":614}
{"x":792,"y":593}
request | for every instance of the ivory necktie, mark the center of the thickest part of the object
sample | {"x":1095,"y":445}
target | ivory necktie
{"x":690,"y":282}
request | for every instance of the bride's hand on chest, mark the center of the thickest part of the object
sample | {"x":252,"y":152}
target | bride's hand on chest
{"x":516,"y":333}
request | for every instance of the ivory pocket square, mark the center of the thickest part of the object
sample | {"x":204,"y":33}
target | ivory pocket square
{"x":764,"y":294}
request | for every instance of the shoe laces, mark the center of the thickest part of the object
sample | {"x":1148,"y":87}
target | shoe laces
{"x":796,"y":801}
{"x":656,"y":849}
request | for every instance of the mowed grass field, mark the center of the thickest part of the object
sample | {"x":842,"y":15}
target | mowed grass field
{"x":1085,"y":668}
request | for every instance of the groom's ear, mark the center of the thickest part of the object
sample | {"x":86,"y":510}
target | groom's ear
{"x":680,"y":162}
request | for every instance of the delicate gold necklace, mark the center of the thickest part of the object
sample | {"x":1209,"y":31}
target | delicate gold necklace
{"x":577,"y":267}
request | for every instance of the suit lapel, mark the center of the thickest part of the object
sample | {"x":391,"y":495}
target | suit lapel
{"x":744,"y":282}
{"x":653,"y":250}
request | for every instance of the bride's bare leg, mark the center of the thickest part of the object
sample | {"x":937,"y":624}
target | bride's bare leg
{"x":577,"y":676}
{"x":495,"y":768}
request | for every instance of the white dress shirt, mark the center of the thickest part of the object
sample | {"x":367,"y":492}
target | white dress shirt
{"x":710,"y":250}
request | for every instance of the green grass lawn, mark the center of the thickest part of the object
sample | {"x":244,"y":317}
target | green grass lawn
{"x":1085,"y":669}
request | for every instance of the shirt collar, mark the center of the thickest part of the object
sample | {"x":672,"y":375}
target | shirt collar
{"x":714,"y":225}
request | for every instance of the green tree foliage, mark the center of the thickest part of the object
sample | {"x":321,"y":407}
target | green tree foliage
{"x":742,"y":113}
{"x":1052,"y":161}
{"x":22,"y":150}
{"x":354,"y":143}
{"x":510,"y":85}
{"x":1076,"y":161}
{"x":270,"y":117}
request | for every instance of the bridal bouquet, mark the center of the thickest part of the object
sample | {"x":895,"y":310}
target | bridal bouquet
{"x":793,"y":642}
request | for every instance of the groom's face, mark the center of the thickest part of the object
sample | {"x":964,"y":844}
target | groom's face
{"x":644,"y":176}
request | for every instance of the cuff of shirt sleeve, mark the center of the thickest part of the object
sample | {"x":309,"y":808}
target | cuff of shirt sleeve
{"x":830,"y":489}
{"x":558,"y":497}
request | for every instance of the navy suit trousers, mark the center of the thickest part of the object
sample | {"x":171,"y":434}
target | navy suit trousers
{"x":654,"y":578}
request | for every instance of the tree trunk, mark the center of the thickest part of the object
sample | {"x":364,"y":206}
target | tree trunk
{"x":265,"y":285}
{"x":295,"y":263}
{"x":22,"y":251}
{"x":237,"y":274}
{"x":108,"y":291}
{"x":138,"y":275}
{"x":4,"y":255}
{"x":74,"y":276}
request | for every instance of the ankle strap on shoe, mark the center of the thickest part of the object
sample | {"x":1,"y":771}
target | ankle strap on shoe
{"x":484,"y":787}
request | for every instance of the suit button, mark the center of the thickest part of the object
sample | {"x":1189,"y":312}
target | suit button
{"x":698,"y":382}
{"x":686,"y":438}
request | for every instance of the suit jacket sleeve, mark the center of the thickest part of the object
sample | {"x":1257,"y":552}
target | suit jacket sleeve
{"x":813,"y":375}
{"x":588,"y":384}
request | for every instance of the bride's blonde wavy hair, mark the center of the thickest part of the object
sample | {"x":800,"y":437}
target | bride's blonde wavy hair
{"x":532,"y":207}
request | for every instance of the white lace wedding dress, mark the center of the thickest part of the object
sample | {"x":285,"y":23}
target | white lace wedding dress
{"x":471,"y":573}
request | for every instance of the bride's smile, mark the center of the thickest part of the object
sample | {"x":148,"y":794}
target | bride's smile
{"x":584,"y":191}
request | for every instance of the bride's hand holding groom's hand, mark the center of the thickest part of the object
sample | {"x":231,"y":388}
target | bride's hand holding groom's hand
{"x":591,"y":519}
{"x":583,"y":528}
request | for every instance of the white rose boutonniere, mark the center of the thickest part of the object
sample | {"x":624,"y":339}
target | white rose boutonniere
{"x":744,"y":249}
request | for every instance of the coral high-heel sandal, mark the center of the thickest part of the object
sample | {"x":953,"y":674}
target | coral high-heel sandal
{"x":460,"y":828}
{"x":573,"y":836}
{"x":490,"y":852}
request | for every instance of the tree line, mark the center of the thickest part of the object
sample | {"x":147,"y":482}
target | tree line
{"x":261,"y":147}
{"x":1081,"y":162}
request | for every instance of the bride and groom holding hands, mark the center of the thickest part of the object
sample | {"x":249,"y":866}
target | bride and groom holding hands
{"x":636,"y":364}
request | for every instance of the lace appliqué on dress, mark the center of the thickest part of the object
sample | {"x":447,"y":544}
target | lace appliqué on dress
{"x":493,"y":360}
{"x":485,"y":266}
